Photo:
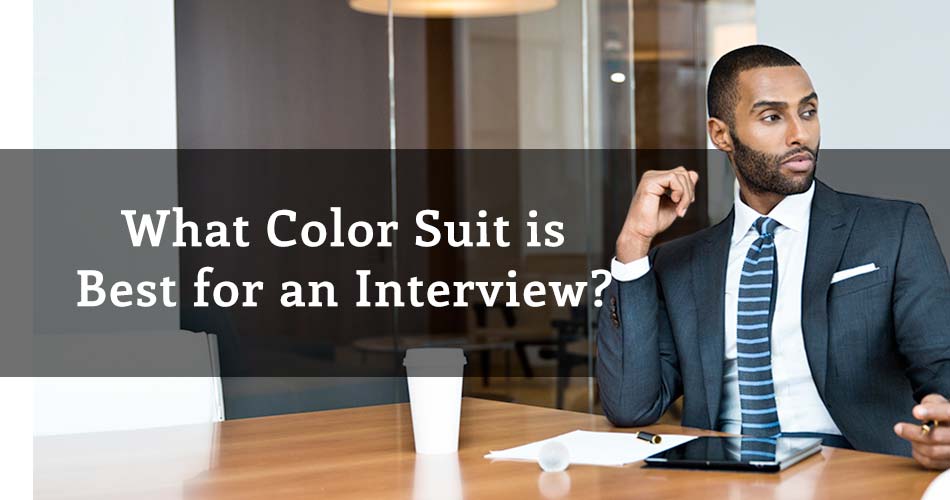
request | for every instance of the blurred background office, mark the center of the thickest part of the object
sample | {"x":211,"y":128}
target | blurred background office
{"x":594,"y":76}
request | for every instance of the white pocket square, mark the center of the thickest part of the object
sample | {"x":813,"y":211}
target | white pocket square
{"x":854,"y":271}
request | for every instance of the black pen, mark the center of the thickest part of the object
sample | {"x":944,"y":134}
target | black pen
{"x":650,"y":438}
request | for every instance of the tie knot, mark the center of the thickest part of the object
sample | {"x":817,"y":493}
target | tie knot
{"x":765,"y":226}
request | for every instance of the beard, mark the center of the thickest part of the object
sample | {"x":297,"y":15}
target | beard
{"x":763,"y":171}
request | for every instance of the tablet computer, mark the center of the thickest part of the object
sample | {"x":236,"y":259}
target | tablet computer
{"x":737,"y":453}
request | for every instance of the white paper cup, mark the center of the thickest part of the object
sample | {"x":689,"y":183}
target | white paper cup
{"x":435,"y":397}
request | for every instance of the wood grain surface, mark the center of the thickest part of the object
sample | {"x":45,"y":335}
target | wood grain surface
{"x":367,"y":453}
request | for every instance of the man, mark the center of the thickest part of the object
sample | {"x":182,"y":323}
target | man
{"x":805,"y":312}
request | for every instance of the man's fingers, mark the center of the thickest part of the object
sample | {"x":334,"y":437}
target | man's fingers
{"x":932,"y":450}
{"x":690,"y":186}
{"x":911,"y":432}
{"x":662,"y":183}
{"x":687,"y":181}
{"x":930,"y":411}
{"x":679,"y":185}
{"x":930,"y":462}
{"x":933,"y":409}
{"x":934,"y":398}
{"x":935,"y":451}
{"x":691,"y":177}
{"x":678,"y":192}
{"x":914,"y":434}
{"x":687,"y":196}
{"x":694,"y":176}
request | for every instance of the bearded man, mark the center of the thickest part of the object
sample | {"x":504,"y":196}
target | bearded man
{"x":806,"y":312}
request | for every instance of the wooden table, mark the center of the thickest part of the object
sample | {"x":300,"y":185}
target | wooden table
{"x":367,"y":453}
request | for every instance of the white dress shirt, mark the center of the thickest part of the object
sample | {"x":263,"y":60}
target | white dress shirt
{"x":800,"y":408}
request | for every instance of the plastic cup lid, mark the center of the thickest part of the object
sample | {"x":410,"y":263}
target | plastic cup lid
{"x":434,"y":356}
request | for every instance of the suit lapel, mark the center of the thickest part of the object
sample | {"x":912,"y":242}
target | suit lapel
{"x":829,"y":228}
{"x":710,"y":259}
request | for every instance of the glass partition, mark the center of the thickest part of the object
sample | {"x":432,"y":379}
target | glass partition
{"x":533,"y":111}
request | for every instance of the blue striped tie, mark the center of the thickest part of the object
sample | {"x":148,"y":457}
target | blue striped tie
{"x":753,"y":338}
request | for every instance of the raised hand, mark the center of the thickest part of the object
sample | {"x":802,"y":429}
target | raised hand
{"x":661,"y":197}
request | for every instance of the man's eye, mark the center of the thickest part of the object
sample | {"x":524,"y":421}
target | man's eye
{"x":771,"y":118}
{"x":810,"y":113}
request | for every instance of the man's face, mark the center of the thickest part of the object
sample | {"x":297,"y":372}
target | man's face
{"x":776,"y":135}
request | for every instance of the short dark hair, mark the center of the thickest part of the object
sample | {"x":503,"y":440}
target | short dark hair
{"x":722,"y":93}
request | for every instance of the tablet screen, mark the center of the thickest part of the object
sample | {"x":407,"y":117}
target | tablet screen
{"x":710,"y":450}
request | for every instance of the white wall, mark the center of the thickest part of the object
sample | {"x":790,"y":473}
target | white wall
{"x":103,"y":78}
{"x":104,"y":74}
{"x":879,"y":66}
{"x":881,"y":73}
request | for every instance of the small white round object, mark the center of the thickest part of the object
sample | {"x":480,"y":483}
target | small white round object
{"x":554,"y":457}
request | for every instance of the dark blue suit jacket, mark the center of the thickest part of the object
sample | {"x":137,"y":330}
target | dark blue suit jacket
{"x":876,"y":343}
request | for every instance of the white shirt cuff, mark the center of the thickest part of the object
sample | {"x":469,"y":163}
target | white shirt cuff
{"x":631,"y":270}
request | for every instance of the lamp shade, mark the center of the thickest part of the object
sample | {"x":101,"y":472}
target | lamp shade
{"x":452,"y":8}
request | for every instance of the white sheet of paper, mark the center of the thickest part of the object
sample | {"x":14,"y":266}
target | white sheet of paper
{"x":596,"y":448}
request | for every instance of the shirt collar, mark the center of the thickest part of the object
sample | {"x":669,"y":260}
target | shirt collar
{"x":792,"y":212}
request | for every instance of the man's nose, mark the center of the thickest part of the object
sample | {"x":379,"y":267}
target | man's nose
{"x":797,"y":134}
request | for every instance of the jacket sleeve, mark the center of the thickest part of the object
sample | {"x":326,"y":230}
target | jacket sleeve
{"x":637,"y":369}
{"x":921,"y":305}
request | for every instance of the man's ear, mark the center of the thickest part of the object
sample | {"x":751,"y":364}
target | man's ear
{"x":719,"y":134}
